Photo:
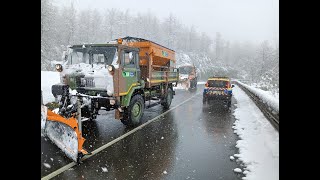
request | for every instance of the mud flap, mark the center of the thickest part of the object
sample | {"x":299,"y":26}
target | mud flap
{"x":65,"y":134}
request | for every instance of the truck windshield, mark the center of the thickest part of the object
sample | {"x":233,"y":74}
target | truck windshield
{"x":92,"y":55}
{"x":185,"y":70}
{"x":218,"y":83}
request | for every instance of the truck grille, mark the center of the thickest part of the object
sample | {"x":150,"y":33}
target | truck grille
{"x":90,"y":82}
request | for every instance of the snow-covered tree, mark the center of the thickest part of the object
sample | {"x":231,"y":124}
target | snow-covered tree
{"x":170,"y":27}
{"x":48,"y":32}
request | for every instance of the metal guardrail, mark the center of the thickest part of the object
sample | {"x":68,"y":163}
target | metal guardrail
{"x":268,"y":112}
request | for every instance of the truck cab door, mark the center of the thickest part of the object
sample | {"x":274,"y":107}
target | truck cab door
{"x":130,"y":63}
{"x":130,"y":73}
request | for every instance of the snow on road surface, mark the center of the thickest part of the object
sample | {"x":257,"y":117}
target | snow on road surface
{"x":238,"y":170}
{"x":179,"y":86}
{"x":259,"y":141}
{"x":48,"y":78}
{"x":231,"y":158}
{"x":47,"y":165}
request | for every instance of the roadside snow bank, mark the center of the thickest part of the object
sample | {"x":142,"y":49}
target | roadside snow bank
{"x":48,"y":78}
{"x":266,"y":96}
{"x":259,"y":141}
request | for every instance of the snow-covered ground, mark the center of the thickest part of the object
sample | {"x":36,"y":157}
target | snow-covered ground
{"x":259,"y":141}
{"x":267,"y":96}
{"x":179,"y":86}
{"x":48,"y":78}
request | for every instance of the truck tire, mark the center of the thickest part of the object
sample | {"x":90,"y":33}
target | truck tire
{"x":168,"y":99}
{"x":204,"y":100}
{"x":134,"y":112}
{"x":193,"y":85}
{"x":229,"y":104}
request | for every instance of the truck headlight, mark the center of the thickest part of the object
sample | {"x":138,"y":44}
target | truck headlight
{"x":110,"y":68}
{"x":112,"y":101}
{"x":59,"y":67}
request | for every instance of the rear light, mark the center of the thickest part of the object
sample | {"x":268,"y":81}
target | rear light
{"x":207,"y":84}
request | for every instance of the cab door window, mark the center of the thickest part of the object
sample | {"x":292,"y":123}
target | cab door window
{"x":129,"y":59}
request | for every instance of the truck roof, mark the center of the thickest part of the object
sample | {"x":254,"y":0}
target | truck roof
{"x":88,"y":45}
{"x":219,"y":78}
{"x":158,"y":54}
{"x":81,"y":46}
{"x":135,"y":39}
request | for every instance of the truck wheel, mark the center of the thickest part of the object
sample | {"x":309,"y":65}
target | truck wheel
{"x":168,"y":99}
{"x":204,"y":100}
{"x":134,"y":112}
{"x":195,"y":84}
{"x":191,"y":85}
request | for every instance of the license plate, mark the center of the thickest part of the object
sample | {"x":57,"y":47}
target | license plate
{"x":216,"y":92}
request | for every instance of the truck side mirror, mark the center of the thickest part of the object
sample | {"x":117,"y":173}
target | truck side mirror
{"x":64,"y":55}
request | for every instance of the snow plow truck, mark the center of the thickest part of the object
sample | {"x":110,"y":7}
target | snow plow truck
{"x":188,"y":77}
{"x":126,"y":75}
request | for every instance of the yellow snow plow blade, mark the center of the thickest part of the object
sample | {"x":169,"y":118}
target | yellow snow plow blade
{"x":66,"y":134}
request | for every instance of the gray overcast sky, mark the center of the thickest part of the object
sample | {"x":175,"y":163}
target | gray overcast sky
{"x":236,"y":20}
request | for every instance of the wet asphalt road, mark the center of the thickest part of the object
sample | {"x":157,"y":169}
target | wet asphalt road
{"x":193,"y":141}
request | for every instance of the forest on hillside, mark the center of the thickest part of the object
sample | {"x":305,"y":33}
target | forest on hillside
{"x":211,"y":53}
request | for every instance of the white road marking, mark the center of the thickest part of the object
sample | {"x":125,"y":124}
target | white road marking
{"x":70,"y":165}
